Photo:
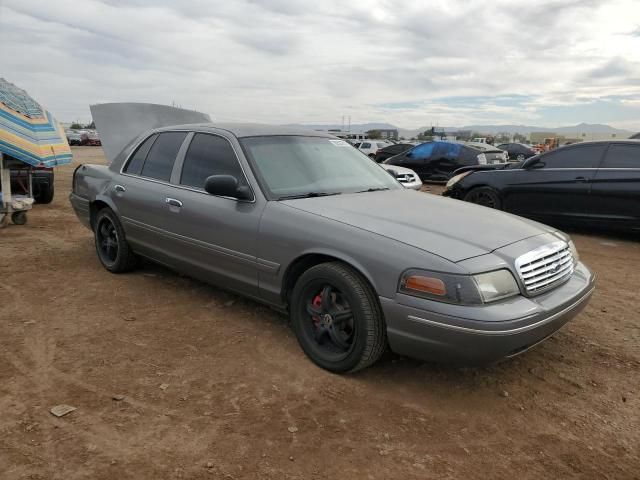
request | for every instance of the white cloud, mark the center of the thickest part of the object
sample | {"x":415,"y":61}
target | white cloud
{"x":281,"y":61}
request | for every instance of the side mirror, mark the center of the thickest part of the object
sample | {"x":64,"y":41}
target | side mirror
{"x":533,"y":164}
{"x":226,"y":186}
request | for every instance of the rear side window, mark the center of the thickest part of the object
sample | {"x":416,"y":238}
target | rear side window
{"x":577,"y":157}
{"x":209,"y":155}
{"x":622,"y":156}
{"x":449,"y":150}
{"x":421,"y":152}
{"x":163,"y":153}
{"x":134,"y":166}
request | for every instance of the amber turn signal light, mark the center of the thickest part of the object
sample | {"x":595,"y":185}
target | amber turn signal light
{"x":433,"y":286}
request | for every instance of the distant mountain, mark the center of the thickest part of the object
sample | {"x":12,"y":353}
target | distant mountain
{"x":587,"y":128}
{"x":567,"y":131}
{"x":360,"y":127}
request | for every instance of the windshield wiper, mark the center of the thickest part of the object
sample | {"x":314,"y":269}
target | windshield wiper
{"x":308,"y":195}
{"x":373,"y":189}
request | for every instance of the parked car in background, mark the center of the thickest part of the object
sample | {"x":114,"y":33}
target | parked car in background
{"x":42,"y":183}
{"x":407,"y":177}
{"x":371,"y":147}
{"x":391,"y":150}
{"x":491,"y":154}
{"x":74,"y":138}
{"x":300,"y":221}
{"x":517,"y":151}
{"x":91,"y":138}
{"x":593,"y":183}
{"x":436,"y":161}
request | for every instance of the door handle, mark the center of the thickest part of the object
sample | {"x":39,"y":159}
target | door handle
{"x":581,"y":180}
{"x":119,"y":188}
{"x":173,"y":202}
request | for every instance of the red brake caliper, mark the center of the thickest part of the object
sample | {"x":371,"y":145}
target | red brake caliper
{"x":317,"y":302}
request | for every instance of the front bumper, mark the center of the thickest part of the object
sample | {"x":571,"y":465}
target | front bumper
{"x":424,"y":329}
{"x":417,"y":185}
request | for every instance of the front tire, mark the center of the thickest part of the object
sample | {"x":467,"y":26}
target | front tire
{"x":114,"y":252}
{"x":485,"y":196}
{"x":337,"y":318}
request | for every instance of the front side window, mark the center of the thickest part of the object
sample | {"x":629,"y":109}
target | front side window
{"x":134,"y":166}
{"x":587,"y":156}
{"x":159,"y":162}
{"x":299,"y":165}
{"x":209,"y":155}
{"x":365,"y":145}
{"x":622,"y":156}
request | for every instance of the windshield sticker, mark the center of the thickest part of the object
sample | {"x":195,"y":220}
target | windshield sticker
{"x":340,"y":143}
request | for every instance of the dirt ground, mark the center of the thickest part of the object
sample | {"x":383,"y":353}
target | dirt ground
{"x":216,"y":386}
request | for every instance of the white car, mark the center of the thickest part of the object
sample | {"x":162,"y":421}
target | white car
{"x":370,"y":147}
{"x":405,"y":176}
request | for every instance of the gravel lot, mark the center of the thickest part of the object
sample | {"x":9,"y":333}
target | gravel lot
{"x":216,"y":386}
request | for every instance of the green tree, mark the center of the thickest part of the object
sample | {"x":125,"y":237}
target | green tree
{"x":75,"y":126}
{"x":374,"y":134}
{"x":517,"y":137}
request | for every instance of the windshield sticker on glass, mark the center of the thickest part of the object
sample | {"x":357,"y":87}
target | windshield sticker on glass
{"x":340,"y":143}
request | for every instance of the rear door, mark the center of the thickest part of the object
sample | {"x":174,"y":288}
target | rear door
{"x":558,"y":185}
{"x":445,"y":160}
{"x":616,"y":187}
{"x":140,"y":191}
{"x":213,"y":237}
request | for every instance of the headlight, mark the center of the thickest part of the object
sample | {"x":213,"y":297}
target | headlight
{"x":574,"y":252}
{"x":460,"y":289}
{"x":455,"y":179}
{"x":496,"y":285}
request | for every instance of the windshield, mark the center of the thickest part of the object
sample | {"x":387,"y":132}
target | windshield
{"x":298,"y":166}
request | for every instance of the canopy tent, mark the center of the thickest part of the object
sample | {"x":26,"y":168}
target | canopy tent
{"x":28,"y":132}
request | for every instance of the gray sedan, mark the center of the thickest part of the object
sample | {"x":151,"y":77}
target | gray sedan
{"x":304,"y":223}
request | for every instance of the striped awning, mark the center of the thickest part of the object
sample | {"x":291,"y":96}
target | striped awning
{"x":28,"y":132}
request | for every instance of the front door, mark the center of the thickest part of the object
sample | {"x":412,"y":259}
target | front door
{"x":214,"y":238}
{"x":557,"y":186}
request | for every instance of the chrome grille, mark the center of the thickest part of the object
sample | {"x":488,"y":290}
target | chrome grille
{"x":405,"y":178}
{"x":545,"y":267}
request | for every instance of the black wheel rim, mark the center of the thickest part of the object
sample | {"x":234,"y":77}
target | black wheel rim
{"x":107,"y":241}
{"x":328,"y":321}
{"x":486,"y":199}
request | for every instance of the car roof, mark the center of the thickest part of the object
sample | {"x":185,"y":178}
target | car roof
{"x":241,"y":130}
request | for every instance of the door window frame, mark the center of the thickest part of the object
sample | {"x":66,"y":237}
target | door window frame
{"x":179,"y":164}
{"x":174,"y":179}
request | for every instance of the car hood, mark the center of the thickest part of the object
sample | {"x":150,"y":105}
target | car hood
{"x":449,"y":228}
{"x":120,"y":123}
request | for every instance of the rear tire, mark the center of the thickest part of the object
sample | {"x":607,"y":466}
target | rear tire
{"x":344,"y":330}
{"x":112,"y":248}
{"x":44,"y":193}
{"x":485,"y":196}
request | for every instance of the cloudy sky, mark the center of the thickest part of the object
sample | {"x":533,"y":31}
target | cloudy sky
{"x":410,"y":63}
